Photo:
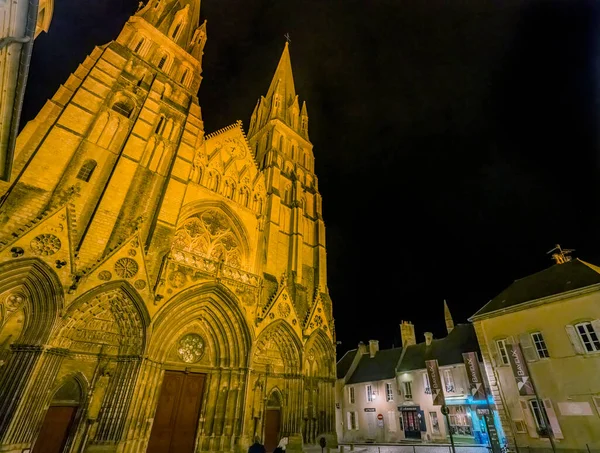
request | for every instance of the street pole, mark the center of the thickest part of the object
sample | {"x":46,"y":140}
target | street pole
{"x":445,"y":411}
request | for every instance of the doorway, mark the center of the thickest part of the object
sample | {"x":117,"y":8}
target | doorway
{"x":272,"y":422}
{"x":412,"y":428}
{"x":59,"y":422}
{"x":177,"y":413}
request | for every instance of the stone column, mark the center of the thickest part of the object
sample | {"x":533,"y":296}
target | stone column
{"x":113,"y":413}
{"x":25,"y":388}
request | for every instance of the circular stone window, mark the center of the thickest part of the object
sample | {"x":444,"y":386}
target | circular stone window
{"x":191,"y":348}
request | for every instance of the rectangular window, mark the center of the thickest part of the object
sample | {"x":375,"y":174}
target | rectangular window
{"x":426,"y":385}
{"x":449,"y":380}
{"x":389,"y":393}
{"x":351,"y":395}
{"x":588,"y":336}
{"x":536,"y":410}
{"x":352,"y":421}
{"x":370,"y":394}
{"x":540,"y":345}
{"x":408,"y":390}
{"x":435,"y":424}
{"x":501,"y":345}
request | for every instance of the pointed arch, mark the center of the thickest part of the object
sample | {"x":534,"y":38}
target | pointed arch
{"x":227,"y":335}
{"x":43,"y":296}
{"x":319,"y":355}
{"x":278,"y":347}
{"x":111,"y":318}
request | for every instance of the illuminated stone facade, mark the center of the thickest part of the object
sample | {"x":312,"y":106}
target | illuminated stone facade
{"x":20,"y":23}
{"x":168,"y":286}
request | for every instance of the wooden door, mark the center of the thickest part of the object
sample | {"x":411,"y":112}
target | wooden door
{"x":55,"y":429}
{"x":272,"y":425}
{"x":177,"y":413}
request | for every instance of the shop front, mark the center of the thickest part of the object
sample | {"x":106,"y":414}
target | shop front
{"x":412,"y":421}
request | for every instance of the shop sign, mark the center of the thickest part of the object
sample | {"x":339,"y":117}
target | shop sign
{"x":370,"y":409}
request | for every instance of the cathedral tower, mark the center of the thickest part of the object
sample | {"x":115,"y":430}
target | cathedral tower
{"x":163,"y":289}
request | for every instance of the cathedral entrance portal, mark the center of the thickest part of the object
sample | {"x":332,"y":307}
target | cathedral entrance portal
{"x":177,"y":413}
{"x":272,"y":422}
{"x":58,"y":425}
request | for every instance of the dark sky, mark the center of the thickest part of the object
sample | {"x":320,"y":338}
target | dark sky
{"x":455,"y":141}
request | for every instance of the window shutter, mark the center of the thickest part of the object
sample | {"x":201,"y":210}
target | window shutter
{"x":496,"y":361}
{"x":531,"y":426}
{"x":575,"y":340}
{"x":528,"y":347}
{"x":596,"y":326}
{"x":556,"y":431}
{"x":355,"y":420}
{"x":349,"y":417}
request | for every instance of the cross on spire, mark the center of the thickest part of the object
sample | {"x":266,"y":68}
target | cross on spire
{"x":287,"y":38}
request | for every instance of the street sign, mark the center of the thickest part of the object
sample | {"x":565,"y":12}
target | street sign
{"x":379,"y":416}
{"x":370,"y":409}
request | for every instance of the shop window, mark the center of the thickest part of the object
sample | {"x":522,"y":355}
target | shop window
{"x":435,"y":423}
{"x":540,"y":345}
{"x":460,"y":421}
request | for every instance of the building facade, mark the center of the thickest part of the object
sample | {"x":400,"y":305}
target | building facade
{"x":384,"y":396}
{"x":20,"y":23}
{"x":554,"y":316}
{"x":163,"y":290}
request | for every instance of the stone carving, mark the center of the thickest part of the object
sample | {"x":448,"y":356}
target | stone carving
{"x":126,"y":267}
{"x":104,"y":275}
{"x":132,"y":252}
{"x":140,"y":284}
{"x":177,"y":279}
{"x":14,"y":301}
{"x":191,"y":348}
{"x":45,"y":245}
{"x":318,"y":321}
{"x":284,"y":310}
{"x":210,"y":235}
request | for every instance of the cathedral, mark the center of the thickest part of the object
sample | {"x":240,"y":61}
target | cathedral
{"x":163,"y":290}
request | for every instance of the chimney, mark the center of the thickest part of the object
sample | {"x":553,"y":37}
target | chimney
{"x":407,"y":333}
{"x":362,"y":348}
{"x":428,"y":338}
{"x":373,"y":348}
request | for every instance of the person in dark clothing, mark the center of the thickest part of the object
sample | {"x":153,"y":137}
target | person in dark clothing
{"x":257,"y":447}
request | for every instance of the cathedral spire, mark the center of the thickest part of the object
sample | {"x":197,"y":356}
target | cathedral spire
{"x":448,"y":318}
{"x":283,"y":80}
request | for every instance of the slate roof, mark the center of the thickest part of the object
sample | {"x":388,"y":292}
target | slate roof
{"x":382,"y":366}
{"x":554,"y":280}
{"x":447,"y":350}
{"x":344,"y":363}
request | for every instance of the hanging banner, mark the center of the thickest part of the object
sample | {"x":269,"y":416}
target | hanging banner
{"x":474,"y":375}
{"x":519,"y":368}
{"x":435,"y":382}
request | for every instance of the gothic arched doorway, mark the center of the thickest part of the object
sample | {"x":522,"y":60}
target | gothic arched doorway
{"x":59,"y":424}
{"x":272,"y":422}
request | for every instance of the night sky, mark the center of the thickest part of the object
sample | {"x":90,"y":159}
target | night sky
{"x":455,"y":141}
